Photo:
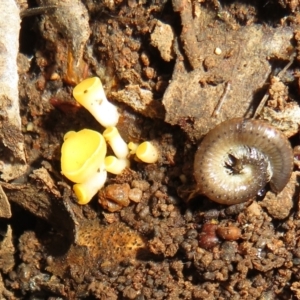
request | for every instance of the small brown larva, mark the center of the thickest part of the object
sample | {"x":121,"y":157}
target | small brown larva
{"x":239,"y":157}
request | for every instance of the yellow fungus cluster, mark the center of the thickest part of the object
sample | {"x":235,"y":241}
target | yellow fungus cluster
{"x":83,"y":153}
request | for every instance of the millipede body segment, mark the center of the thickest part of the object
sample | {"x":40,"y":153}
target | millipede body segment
{"x":237,"y":158}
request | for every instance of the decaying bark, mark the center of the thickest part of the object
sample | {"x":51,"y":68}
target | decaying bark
{"x":12,"y":160}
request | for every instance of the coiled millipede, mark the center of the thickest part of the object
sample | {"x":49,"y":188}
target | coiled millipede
{"x":239,"y":157}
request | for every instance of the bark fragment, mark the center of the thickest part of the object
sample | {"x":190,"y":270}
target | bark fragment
{"x":12,"y":163}
{"x":192,"y":96}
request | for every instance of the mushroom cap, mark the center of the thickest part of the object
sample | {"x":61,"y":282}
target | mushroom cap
{"x":147,"y":153}
{"x":89,"y":92}
{"x":82,"y":154}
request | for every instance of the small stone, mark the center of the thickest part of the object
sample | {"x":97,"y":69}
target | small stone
{"x":114,"y":197}
{"x":135,"y":195}
{"x":218,"y":51}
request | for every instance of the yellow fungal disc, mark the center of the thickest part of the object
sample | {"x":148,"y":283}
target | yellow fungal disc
{"x":69,"y":134}
{"x":88,"y":91}
{"x":82,"y":154}
{"x":147,"y":153}
{"x":90,"y":94}
{"x":82,"y":194}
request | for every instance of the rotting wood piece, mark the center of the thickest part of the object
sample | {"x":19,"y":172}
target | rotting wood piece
{"x":12,"y":163}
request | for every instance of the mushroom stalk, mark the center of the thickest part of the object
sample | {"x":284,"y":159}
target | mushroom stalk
{"x":114,"y":165}
{"x":114,"y":139}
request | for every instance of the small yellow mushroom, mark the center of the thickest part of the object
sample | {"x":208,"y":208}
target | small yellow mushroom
{"x":132,"y":147}
{"x":90,"y":94}
{"x":82,"y":161}
{"x":87,"y":190}
{"x":116,"y":165}
{"x":118,"y":145}
{"x":147,"y":153}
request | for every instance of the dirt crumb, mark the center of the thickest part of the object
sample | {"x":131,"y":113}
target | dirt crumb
{"x":162,"y":38}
